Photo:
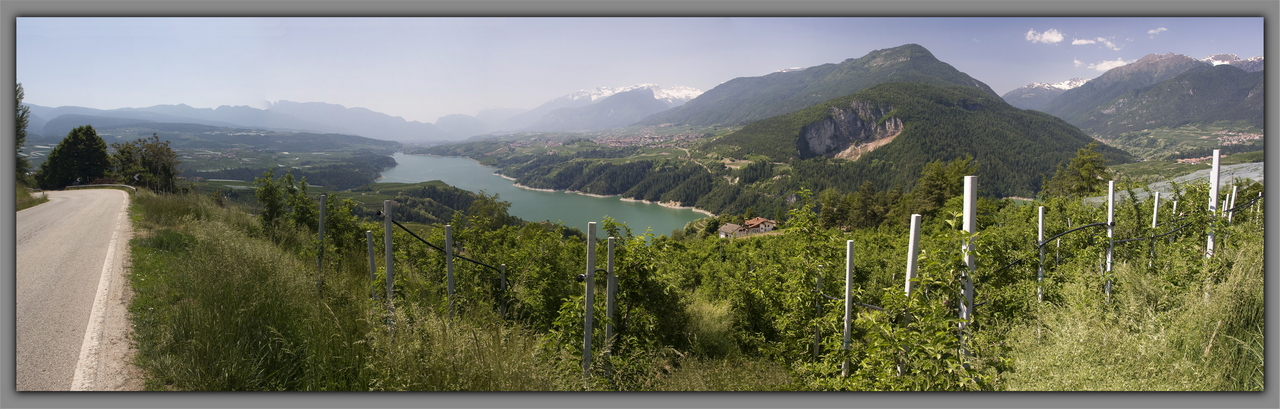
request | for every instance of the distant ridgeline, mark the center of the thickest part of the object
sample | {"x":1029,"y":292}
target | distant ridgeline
{"x":360,"y":169}
{"x":884,"y":135}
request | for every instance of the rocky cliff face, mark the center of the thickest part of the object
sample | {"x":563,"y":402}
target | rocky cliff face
{"x":849,"y":132}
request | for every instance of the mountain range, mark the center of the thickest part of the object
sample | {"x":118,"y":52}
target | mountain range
{"x":285,"y":116}
{"x":289,"y":116}
{"x":1036,"y":95}
{"x":1156,"y":91}
{"x":746,"y":99}
{"x":529,"y":120}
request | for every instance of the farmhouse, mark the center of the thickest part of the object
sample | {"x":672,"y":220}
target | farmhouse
{"x":759,"y":225}
{"x":730,"y":230}
{"x":753,"y":226}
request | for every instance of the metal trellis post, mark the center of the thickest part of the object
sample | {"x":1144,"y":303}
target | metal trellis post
{"x":1040,"y":244}
{"x":1111,"y":224}
{"x":1213,"y":202}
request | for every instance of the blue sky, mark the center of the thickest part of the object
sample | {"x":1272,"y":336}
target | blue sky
{"x":424,"y":68}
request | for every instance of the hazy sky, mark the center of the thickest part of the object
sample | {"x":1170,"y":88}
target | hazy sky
{"x":424,"y":68}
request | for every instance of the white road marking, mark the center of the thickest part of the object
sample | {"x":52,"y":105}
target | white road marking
{"x":87,"y":367}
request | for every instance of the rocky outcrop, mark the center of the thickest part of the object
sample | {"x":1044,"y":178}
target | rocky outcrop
{"x":848,"y":132}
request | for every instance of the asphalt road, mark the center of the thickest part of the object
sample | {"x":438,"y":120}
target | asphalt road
{"x":71,"y":282}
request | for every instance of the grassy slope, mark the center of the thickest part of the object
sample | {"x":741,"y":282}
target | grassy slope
{"x":222,"y":305}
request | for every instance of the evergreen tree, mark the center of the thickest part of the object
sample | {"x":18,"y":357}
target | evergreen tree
{"x":24,"y":115}
{"x":1083,"y":175}
{"x":80,"y":158}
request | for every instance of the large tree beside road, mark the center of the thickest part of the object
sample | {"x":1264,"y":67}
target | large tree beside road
{"x":81,"y":156}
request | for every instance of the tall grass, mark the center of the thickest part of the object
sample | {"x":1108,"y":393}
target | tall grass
{"x":1156,"y":333}
{"x":26,"y":199}
{"x":221,"y":305}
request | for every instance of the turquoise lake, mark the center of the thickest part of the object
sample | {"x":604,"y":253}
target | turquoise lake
{"x":572,"y":209}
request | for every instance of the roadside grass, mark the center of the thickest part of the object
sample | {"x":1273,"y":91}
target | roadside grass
{"x":25,"y":198}
{"x":221,"y":306}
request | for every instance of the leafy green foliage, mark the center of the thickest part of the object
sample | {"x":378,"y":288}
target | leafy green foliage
{"x":690,"y":310}
{"x":146,"y":162}
{"x":81,"y":158}
{"x":1084,"y":175}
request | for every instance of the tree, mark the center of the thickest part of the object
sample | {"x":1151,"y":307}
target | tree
{"x":24,"y":115}
{"x":146,"y":162}
{"x":81,"y":157}
{"x":1083,"y":175}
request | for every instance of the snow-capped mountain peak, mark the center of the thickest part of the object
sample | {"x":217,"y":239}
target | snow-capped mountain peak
{"x":1220,"y":59}
{"x":1064,"y":85}
{"x":672,"y":96}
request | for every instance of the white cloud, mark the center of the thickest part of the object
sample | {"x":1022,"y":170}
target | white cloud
{"x":1104,"y":66}
{"x":1157,"y":31}
{"x":1079,"y":41}
{"x":1079,"y":63}
{"x":1050,"y":36}
{"x":1109,"y":44}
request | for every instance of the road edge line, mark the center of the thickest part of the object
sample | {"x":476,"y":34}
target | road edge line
{"x":86,"y":373}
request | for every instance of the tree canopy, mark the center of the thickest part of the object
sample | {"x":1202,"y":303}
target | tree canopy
{"x":146,"y":162}
{"x":1081,"y":176}
{"x":23,"y":116}
{"x":80,"y":158}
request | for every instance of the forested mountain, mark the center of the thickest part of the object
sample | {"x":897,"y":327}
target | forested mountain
{"x":617,"y":110}
{"x":1075,"y":105}
{"x":892,"y":130}
{"x":746,"y":99}
{"x":1200,"y":95}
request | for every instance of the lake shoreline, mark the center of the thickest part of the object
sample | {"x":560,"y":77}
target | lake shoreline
{"x":669,"y":205}
{"x":543,"y":206}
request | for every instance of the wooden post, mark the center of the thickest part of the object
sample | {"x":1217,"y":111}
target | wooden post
{"x":913,"y":252}
{"x":1040,"y":244}
{"x":1111,"y":224}
{"x":386,"y":227}
{"x":373,"y":268}
{"x":502,"y":277}
{"x":1213,"y":202}
{"x":817,"y":309}
{"x":320,"y":250}
{"x":848,"y":304}
{"x":588,"y":300}
{"x":448,"y":264}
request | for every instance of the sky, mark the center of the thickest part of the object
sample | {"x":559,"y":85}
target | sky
{"x":423,"y":68}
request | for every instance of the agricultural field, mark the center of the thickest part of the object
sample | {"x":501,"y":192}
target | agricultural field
{"x":1152,"y":171}
{"x":1190,"y":141}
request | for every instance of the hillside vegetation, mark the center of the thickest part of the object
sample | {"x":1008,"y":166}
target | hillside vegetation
{"x":229,"y":300}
